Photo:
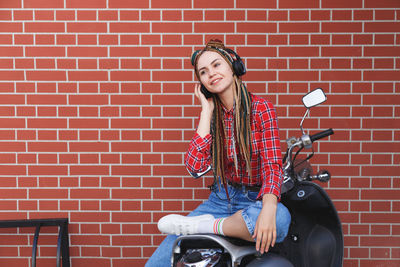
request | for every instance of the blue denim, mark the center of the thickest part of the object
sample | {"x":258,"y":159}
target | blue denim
{"x":217,"y":205}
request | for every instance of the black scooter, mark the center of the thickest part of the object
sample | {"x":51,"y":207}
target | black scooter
{"x":315,"y":235}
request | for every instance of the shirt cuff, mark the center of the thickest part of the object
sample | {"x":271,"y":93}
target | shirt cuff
{"x":200,"y":143}
{"x":268,"y":189}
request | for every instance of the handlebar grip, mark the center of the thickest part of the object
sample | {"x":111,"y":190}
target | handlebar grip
{"x":321,"y":135}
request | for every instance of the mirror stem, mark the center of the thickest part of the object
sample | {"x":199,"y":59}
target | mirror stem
{"x":302,"y":120}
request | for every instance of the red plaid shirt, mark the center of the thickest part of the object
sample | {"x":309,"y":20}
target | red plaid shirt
{"x":266,"y":159}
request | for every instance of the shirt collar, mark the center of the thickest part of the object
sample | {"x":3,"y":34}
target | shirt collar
{"x":228,"y":112}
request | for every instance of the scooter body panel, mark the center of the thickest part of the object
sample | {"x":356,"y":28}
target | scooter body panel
{"x":315,"y":236}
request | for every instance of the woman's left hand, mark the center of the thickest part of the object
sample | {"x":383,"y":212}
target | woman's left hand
{"x":265,"y":230}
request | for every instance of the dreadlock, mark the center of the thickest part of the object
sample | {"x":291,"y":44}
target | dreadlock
{"x":242,"y":113}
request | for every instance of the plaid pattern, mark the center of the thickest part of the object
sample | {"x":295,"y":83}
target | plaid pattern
{"x":266,"y":158}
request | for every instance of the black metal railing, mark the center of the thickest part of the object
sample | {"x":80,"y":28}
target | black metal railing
{"x":62,"y":241}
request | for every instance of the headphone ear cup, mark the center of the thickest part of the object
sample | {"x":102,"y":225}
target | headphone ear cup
{"x":205,"y":92}
{"x":239,"y":67}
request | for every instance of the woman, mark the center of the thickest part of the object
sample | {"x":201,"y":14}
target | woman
{"x":237,"y":137}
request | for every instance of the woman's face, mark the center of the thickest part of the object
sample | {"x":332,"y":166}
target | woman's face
{"x":214,"y":72}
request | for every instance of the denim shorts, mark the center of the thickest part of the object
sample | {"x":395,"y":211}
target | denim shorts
{"x":240,"y":199}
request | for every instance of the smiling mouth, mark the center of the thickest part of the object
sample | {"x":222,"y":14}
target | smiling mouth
{"x":215,"y":81}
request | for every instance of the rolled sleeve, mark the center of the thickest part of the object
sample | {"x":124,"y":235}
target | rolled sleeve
{"x":198,"y":156}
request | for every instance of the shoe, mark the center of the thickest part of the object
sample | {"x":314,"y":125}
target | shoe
{"x":175,"y":224}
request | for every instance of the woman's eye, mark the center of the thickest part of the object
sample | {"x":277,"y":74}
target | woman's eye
{"x":217,"y":64}
{"x":202,"y":72}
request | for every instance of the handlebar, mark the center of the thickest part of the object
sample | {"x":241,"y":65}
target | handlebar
{"x":321,"y":135}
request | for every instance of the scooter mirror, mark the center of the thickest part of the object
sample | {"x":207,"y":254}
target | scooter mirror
{"x":314,"y":98}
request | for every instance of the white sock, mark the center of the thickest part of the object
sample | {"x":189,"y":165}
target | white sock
{"x":212,"y":226}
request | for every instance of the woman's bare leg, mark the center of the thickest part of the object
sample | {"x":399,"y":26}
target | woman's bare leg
{"x":235,"y":226}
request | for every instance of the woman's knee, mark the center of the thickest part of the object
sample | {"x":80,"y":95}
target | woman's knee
{"x":283,"y":219}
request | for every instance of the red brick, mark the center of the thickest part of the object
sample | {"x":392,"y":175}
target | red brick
{"x":88,"y":99}
{"x":47,"y":123}
{"x":129,"y":27}
{"x":341,"y":51}
{"x":254,"y":27}
{"x":86,"y":27}
{"x":47,"y":170}
{"x":341,"y":39}
{"x":130,"y":170}
{"x":359,"y":229}
{"x":43,"y":4}
{"x":5,"y":14}
{"x":342,"y":4}
{"x":23,"y":63}
{"x":8,"y":51}
{"x":296,"y":51}
{"x":341,"y":75}
{"x":299,"y":15}
{"x":341,"y":27}
{"x":14,"y":261}
{"x":130,"y":147}
{"x":387,"y":241}
{"x":385,"y":14}
{"x":87,"y":52}
{"x":318,"y":15}
{"x":299,"y":4}
{"x":89,"y":193}
{"x":130,"y":123}
{"x":130,"y":75}
{"x":8,"y":39}
{"x":223,"y":27}
{"x":359,"y":253}
{"x":87,"y":76}
{"x":377,"y":170}
{"x":151,"y":135}
{"x":87,"y":39}
{"x":171,"y":27}
{"x":215,"y":15}
{"x":385,"y":51}
{"x":131,"y":194}
{"x":381,"y":4}
{"x":86,"y":4}
{"x":44,"y":27}
{"x":175,"y":4}
{"x":293,"y":27}
{"x":385,"y":39}
{"x":128,"y":4}
{"x":47,"y":147}
{"x":11,"y":75}
{"x":298,"y":76}
{"x":41,"y":75}
{"x":381,"y":27}
{"x":129,"y":52}
{"x":44,"y":15}
{"x":88,"y":147}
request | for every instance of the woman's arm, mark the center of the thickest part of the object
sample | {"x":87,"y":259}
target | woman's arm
{"x":270,"y":152}
{"x":271,"y":173}
{"x":198,"y":157}
{"x":265,"y":230}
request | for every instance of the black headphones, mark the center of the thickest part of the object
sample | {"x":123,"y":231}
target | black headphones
{"x":237,"y":64}
{"x":239,"y":69}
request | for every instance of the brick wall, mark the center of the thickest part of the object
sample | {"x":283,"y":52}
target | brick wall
{"x":96,"y":110}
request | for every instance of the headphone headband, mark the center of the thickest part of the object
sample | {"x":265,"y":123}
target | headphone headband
{"x":237,"y":64}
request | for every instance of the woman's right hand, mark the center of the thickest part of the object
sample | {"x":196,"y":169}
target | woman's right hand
{"x":207,"y":105}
